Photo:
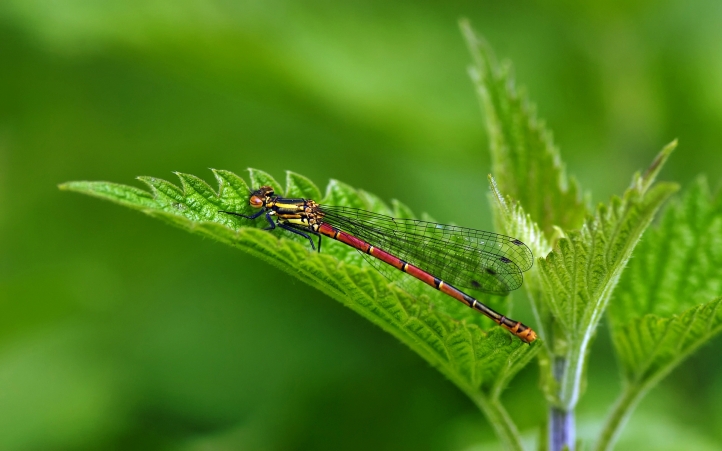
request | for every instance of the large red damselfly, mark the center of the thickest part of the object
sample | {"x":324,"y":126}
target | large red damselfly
{"x":443,"y":256}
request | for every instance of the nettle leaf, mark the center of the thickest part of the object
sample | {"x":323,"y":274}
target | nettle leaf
{"x":651,"y":346}
{"x":579,"y":275}
{"x":514,"y":221}
{"x":669,"y":299}
{"x":538,"y":199}
{"x":471,"y":351}
{"x":526,"y":163}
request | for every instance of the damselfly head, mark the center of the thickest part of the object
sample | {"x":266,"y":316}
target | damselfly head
{"x":260,"y":196}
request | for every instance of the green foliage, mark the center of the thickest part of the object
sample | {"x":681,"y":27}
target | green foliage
{"x":663,"y":308}
{"x":678,"y":265}
{"x":650,"y":346}
{"x":668,"y":303}
{"x":527,"y":164}
{"x":516,"y":222}
{"x":475,"y":354}
{"x":582,"y":255}
{"x":528,"y":169}
{"x":581,"y":273}
{"x":669,"y":298}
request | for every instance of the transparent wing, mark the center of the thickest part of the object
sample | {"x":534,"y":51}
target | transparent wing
{"x":463,"y":257}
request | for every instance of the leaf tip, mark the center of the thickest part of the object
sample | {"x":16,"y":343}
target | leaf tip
{"x":150,"y":181}
{"x":465,"y":25}
{"x":76,"y":185}
{"x":646,"y":179}
{"x":497,"y":194}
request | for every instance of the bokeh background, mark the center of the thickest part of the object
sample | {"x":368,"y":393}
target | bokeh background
{"x":118,"y":332}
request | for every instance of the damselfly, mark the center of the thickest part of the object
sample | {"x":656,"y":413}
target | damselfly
{"x":442,"y":256}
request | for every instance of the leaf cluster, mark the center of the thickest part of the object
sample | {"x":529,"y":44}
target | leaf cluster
{"x":661,"y":293}
{"x":471,"y":351}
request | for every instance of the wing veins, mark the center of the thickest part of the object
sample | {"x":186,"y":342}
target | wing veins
{"x":458,"y":263}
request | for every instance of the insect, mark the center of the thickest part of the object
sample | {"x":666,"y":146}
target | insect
{"x":443,"y":256}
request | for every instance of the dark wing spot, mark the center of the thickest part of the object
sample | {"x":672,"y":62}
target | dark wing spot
{"x":489,"y":271}
{"x":517,"y":242}
{"x":475,"y":284}
{"x":505,"y":260}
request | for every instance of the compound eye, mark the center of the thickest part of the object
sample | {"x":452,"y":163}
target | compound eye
{"x":256,"y":202}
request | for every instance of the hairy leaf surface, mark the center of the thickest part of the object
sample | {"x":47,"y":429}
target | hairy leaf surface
{"x":470,"y":350}
{"x":580,"y":274}
{"x":669,"y":298}
{"x":526,"y":162}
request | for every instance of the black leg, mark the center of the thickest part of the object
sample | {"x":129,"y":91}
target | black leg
{"x":319,"y":238}
{"x":297,"y":232}
{"x":272,"y":225}
{"x":319,"y":241}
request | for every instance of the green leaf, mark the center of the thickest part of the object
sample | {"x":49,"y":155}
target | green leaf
{"x":525,"y":161}
{"x":471,"y":351}
{"x":669,"y":300}
{"x":579,"y":276}
{"x":514,"y":221}
{"x":299,"y":186}
{"x":651,"y":346}
{"x":679,"y":263}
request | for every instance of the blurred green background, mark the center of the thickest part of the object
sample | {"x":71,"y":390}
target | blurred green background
{"x":118,"y":332}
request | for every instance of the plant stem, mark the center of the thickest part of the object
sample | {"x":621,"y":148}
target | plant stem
{"x":562,"y":427}
{"x":619,"y":415}
{"x":499,"y":419}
